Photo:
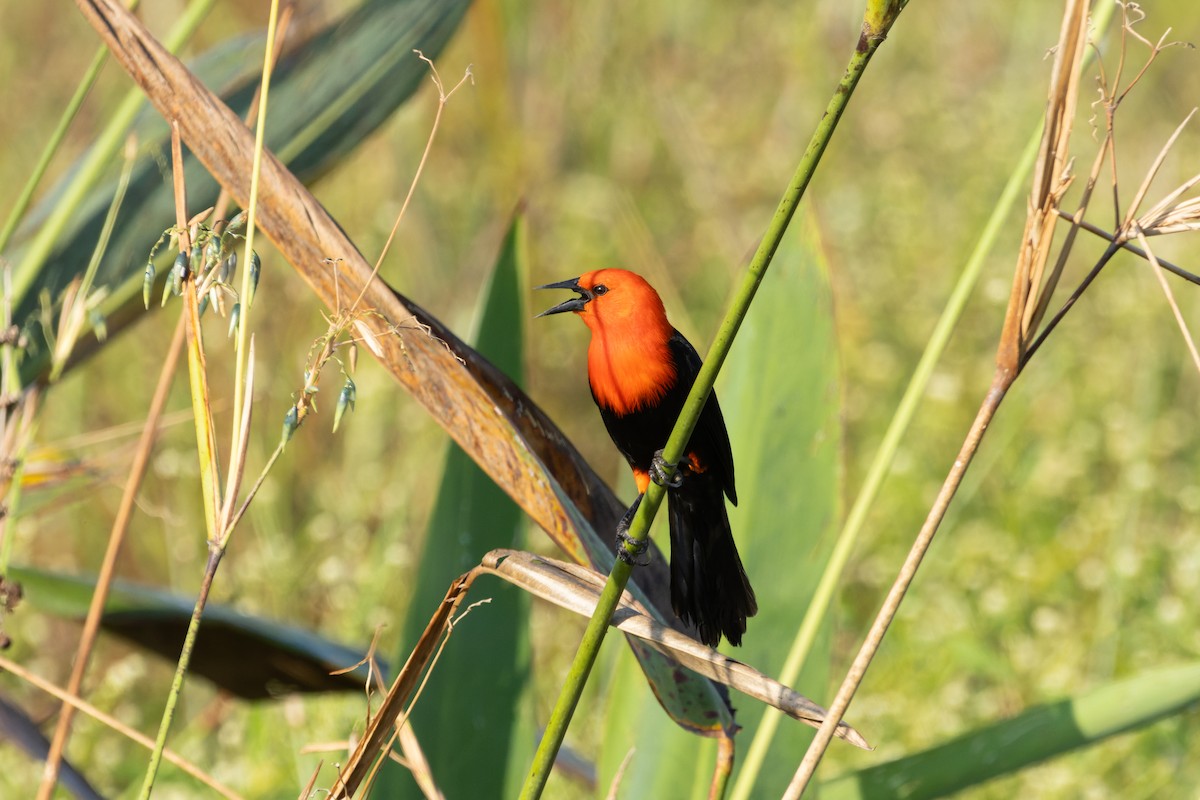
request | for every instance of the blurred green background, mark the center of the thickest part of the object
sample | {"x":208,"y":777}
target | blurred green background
{"x":659,"y":137}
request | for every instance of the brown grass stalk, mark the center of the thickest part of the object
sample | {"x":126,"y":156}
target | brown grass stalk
{"x":75,"y":702}
{"x":1030,"y":285}
{"x":116,"y":538}
{"x":380,"y":731}
{"x":1033,"y":288}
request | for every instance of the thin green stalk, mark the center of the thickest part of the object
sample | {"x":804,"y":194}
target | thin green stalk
{"x":99,"y":157}
{"x":189,"y":644}
{"x":884,"y":456}
{"x":556,"y":728}
{"x":243,"y":330}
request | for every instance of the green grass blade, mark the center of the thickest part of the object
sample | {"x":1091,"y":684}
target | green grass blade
{"x":343,"y":60}
{"x":468,"y":718}
{"x":1035,"y":735}
{"x":783,"y":405}
{"x":51,"y":147}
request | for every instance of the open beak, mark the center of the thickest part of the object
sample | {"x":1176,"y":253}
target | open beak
{"x":574,"y":304}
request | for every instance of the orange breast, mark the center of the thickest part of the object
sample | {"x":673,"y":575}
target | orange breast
{"x":628,"y":372}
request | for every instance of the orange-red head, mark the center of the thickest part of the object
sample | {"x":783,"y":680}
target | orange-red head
{"x":629,"y":360}
{"x":613,"y":297}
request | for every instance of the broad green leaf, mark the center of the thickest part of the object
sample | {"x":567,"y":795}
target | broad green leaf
{"x":471,"y":718}
{"x":1035,"y":735}
{"x":643,"y":748}
{"x":327,"y":96}
{"x":781,"y":401}
{"x":250,"y":657}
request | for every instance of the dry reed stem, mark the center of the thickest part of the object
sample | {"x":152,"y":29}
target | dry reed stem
{"x":307,"y":791}
{"x":1051,"y":179}
{"x":619,"y":775}
{"x":414,"y":756}
{"x":417,"y":763}
{"x":1032,"y":290}
{"x":116,"y":725}
{"x":380,"y":731}
{"x":891,"y":604}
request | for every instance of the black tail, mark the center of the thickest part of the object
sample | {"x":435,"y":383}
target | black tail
{"x":708,"y":585}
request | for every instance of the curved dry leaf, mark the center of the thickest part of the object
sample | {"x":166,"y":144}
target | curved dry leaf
{"x":578,"y":589}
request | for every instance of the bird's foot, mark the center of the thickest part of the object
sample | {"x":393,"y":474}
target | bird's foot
{"x":659,"y":470}
{"x":629,"y":549}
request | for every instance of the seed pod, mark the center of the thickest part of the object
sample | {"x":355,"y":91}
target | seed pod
{"x":255,"y":268}
{"x":291,"y":421}
{"x":345,"y":400}
{"x":228,"y":267}
{"x":237,"y":223}
{"x":179,"y":274}
{"x":148,"y":283}
{"x":203,"y":305}
{"x":234,"y":314}
{"x":212,"y":253}
{"x":197,"y":257}
{"x":353,"y":357}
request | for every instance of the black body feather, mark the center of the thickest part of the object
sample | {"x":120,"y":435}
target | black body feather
{"x":709,"y":587}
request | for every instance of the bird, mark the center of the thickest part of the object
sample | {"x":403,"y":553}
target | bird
{"x":640,"y":371}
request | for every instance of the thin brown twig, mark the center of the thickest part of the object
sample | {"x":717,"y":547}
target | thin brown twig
{"x":1126,"y":245}
{"x":1131,"y":212}
{"x":116,"y":538}
{"x":307,"y":791}
{"x":415,"y":758}
{"x":443,"y":98}
{"x":1166,"y":287}
{"x":116,"y":725}
{"x":908,"y":571}
{"x":181,"y":220}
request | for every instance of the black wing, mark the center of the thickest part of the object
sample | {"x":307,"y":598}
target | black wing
{"x":710,"y":440}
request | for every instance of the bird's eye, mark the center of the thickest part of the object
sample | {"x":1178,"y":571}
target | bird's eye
{"x":600,"y":289}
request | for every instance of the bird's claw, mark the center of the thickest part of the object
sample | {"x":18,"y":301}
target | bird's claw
{"x":629,"y":549}
{"x":659,"y":469}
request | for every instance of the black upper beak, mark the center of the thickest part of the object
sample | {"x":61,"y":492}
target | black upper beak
{"x":574,"y":304}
